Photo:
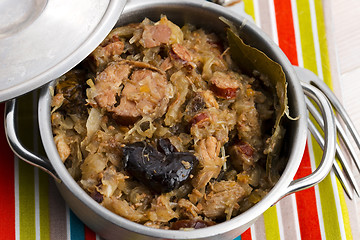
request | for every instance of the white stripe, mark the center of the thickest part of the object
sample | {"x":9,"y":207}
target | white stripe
{"x":68,"y":234}
{"x":252,"y":230}
{"x":316,"y":188}
{"x":297,"y":33}
{"x":280,"y":221}
{"x":17,"y":205}
{"x":296,"y":218}
{"x":273,"y":21}
{"x":338,"y":205}
{"x":257,"y":13}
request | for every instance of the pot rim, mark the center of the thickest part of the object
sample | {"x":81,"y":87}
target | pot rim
{"x":251,"y":214}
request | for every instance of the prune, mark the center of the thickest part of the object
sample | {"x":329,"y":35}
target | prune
{"x":165,"y":146}
{"x":160,"y":171}
{"x":191,"y":223}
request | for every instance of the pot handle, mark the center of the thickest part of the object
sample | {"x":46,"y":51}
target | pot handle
{"x":18,"y":148}
{"x":328,"y":156}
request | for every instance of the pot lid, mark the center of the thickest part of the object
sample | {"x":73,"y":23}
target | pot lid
{"x":42,"y":39}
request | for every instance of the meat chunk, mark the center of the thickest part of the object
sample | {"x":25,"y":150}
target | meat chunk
{"x":108,"y":84}
{"x":105,"y":53}
{"x":210,"y":163}
{"x":145,"y":94}
{"x":161,"y":210}
{"x":224,"y":85}
{"x":155,"y":35}
{"x":222,"y":200}
{"x":130,"y":94}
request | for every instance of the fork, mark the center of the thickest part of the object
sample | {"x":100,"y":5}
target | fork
{"x":341,"y":166}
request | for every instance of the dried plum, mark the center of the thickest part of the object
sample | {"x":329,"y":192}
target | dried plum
{"x":160,"y":171}
{"x":165,"y":146}
{"x":191,"y":223}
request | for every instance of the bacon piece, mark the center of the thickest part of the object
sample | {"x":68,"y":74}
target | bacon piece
{"x":199,"y":118}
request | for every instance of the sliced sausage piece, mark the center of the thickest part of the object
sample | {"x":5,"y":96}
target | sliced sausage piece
{"x":181,"y":52}
{"x":155,"y":35}
{"x":223,"y":85}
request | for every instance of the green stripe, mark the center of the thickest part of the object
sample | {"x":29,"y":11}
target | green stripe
{"x":26,"y":201}
{"x":328,"y":204}
{"x":326,"y":66}
{"x":271,"y":224}
{"x":249,"y":8}
{"x":44,"y":205}
{"x":26,"y":174}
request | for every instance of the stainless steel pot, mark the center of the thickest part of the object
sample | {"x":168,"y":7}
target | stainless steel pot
{"x":206,"y":15}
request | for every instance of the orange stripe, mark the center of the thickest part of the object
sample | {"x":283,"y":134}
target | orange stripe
{"x":306,"y":203}
{"x":246,"y":235}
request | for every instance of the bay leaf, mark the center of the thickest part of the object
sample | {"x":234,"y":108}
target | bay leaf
{"x":250,"y":59}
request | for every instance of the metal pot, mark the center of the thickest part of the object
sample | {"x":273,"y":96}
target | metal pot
{"x":206,"y":15}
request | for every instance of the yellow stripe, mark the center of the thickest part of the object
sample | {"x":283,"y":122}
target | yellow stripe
{"x":328,"y":204}
{"x":324,"y":51}
{"x":249,"y":8}
{"x":306,"y":35}
{"x":271,"y":224}
{"x":326,"y":66}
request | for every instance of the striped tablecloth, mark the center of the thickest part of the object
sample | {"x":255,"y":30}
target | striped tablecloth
{"x":31,"y":207}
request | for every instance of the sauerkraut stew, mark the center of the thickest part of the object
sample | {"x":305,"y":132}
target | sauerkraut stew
{"x":159,"y":125}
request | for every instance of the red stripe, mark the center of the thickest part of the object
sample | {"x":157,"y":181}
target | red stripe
{"x":7,"y":196}
{"x":89,"y":234}
{"x":305,"y":200}
{"x":306,"y":204}
{"x":246,"y":235}
{"x":285,"y":29}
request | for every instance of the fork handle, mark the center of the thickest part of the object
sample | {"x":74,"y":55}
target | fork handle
{"x":329,"y":135}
